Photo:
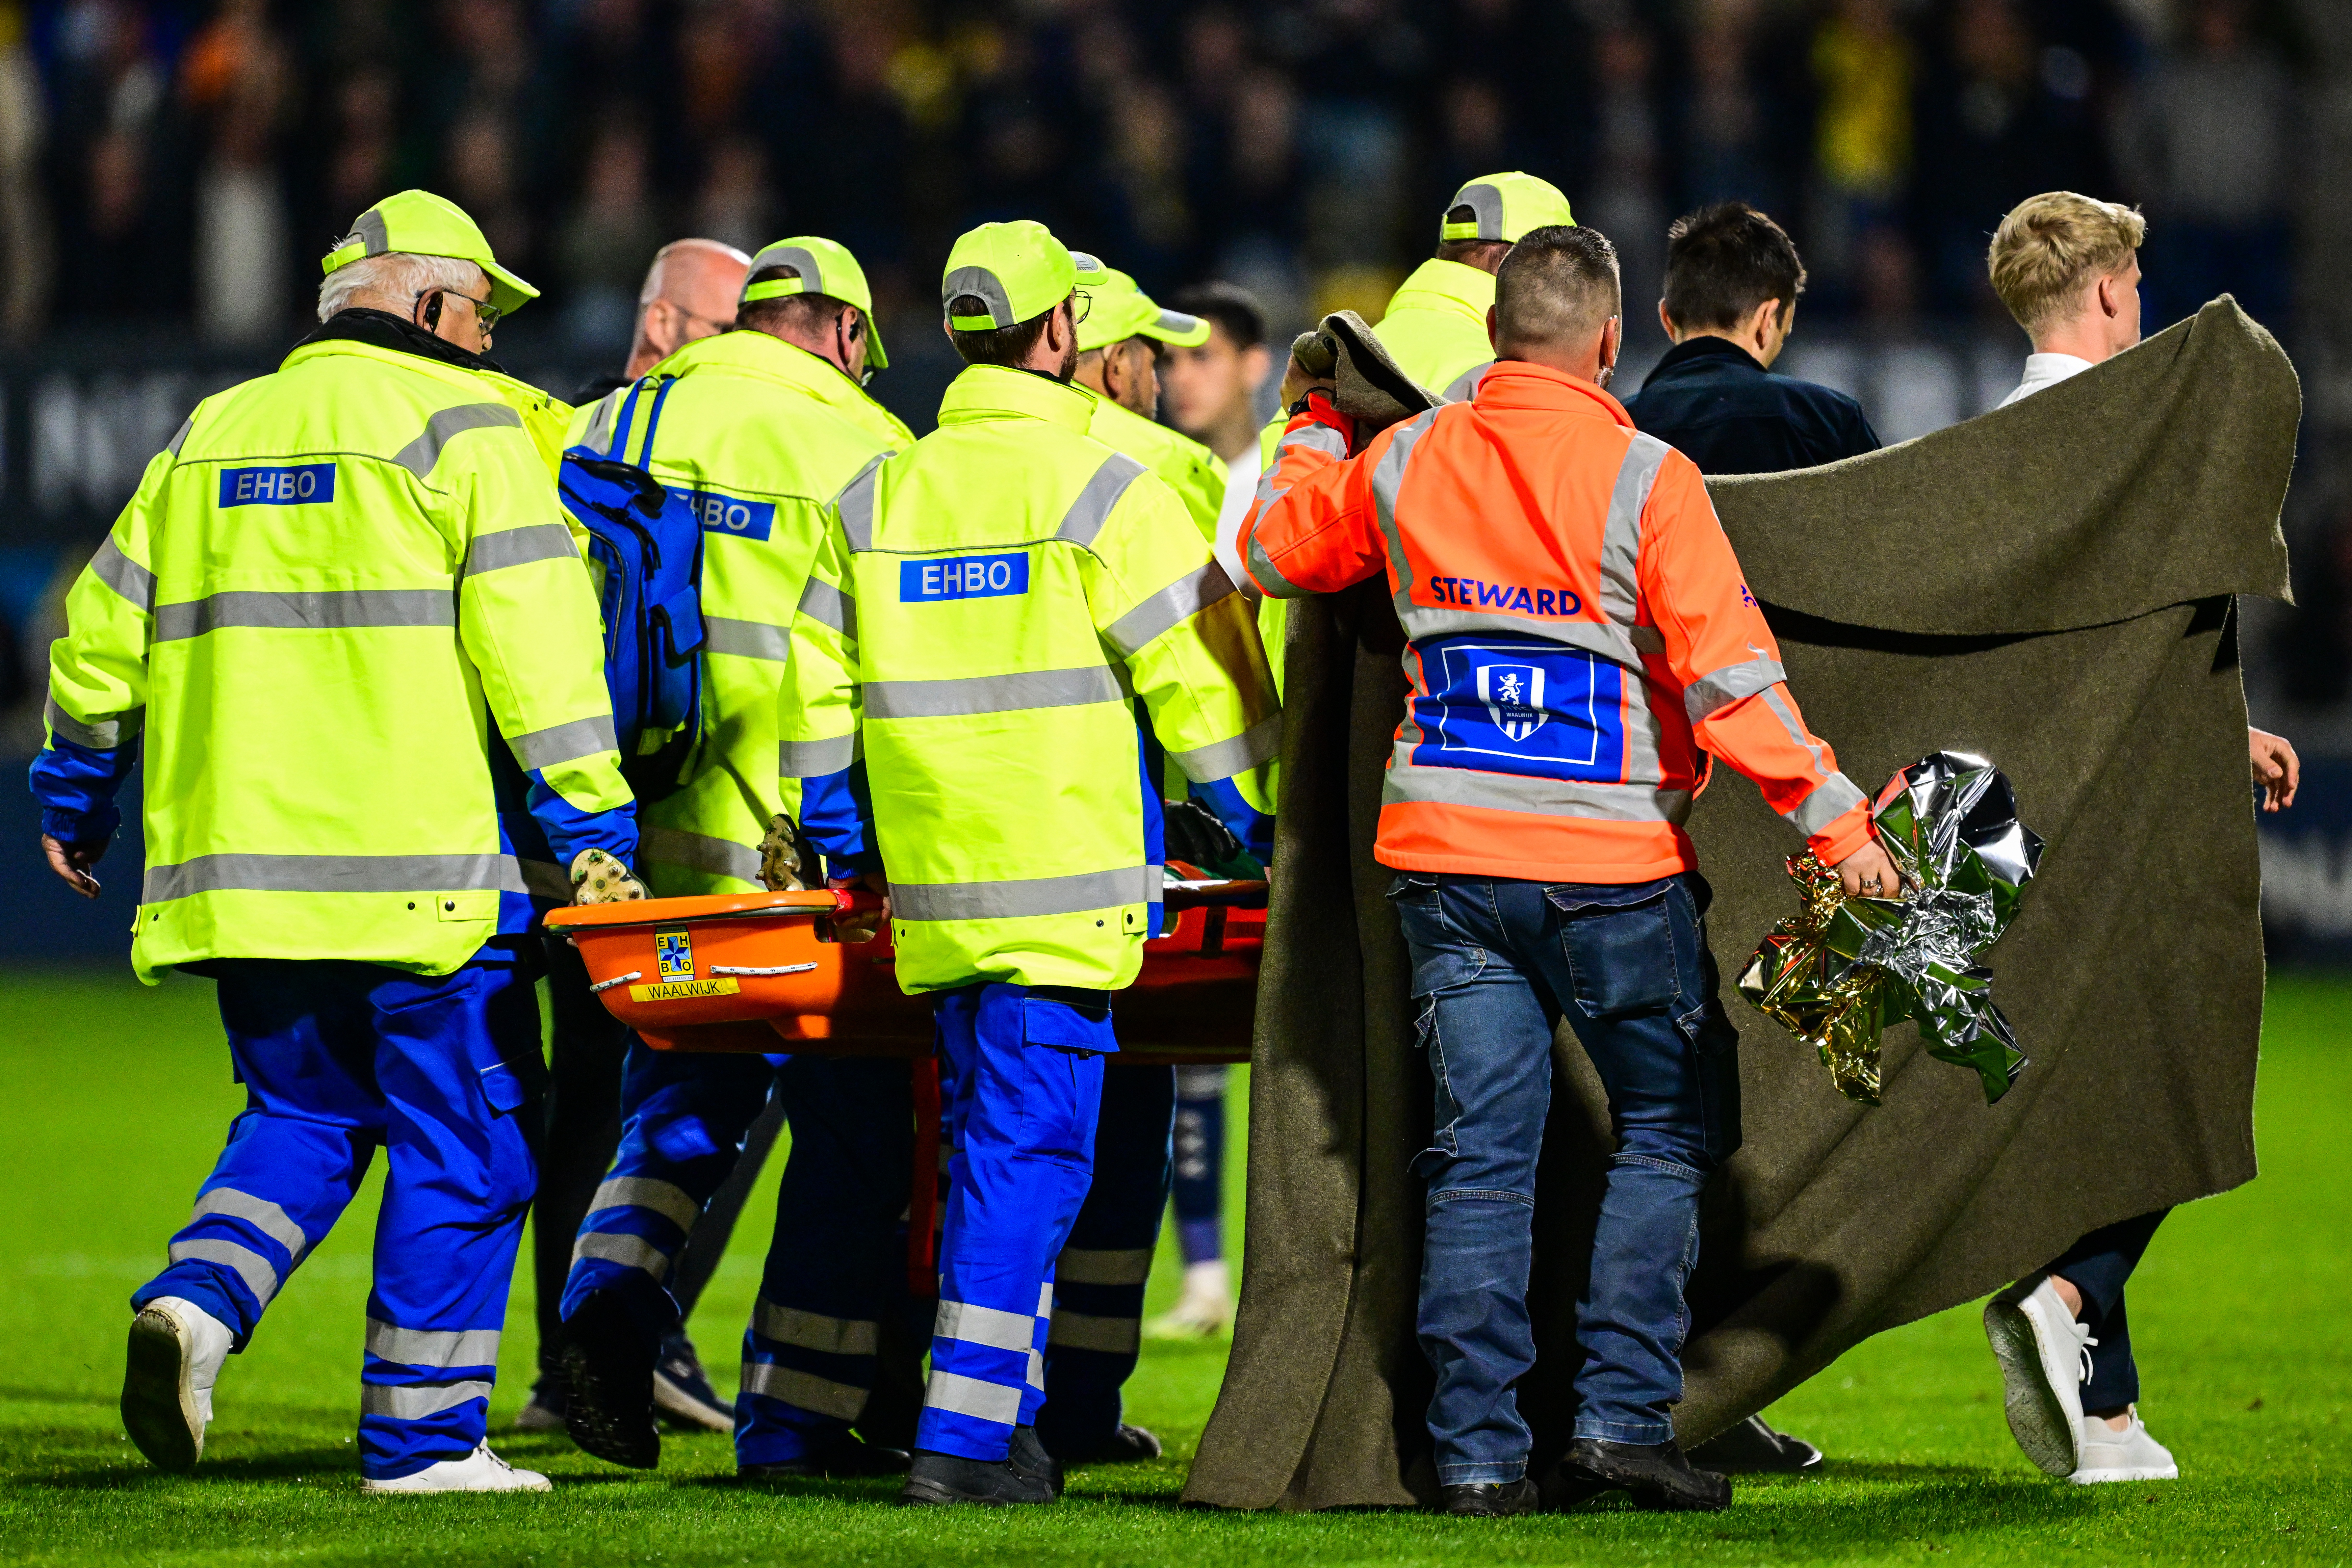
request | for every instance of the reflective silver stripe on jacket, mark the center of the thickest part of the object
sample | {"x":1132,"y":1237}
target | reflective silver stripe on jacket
{"x":264,"y":1216}
{"x":421,"y":455}
{"x":746,"y":639}
{"x":1465,"y":387}
{"x":1170,"y":608}
{"x":1718,"y":689}
{"x":415,"y":1401}
{"x":1086,"y":1330}
{"x":985,"y":1326}
{"x":124,"y":575}
{"x":98,"y":734}
{"x":855,"y":504}
{"x":961,"y":1395}
{"x":421,"y":874}
{"x":619,"y":1246}
{"x":519,"y":546}
{"x":672,"y":1202}
{"x":815,"y":758}
{"x":804,"y":1390}
{"x":542,"y":748}
{"x":1407,"y":784}
{"x":260,"y":1276}
{"x":598,"y":435}
{"x":1807,"y":810}
{"x":1387,"y":479}
{"x":335,"y":609}
{"x":1103,"y":1266}
{"x":702,"y":853}
{"x":822,"y":601}
{"x":432,"y":1347}
{"x":1092,"y":509}
{"x":180,"y":436}
{"x":1268,"y":576}
{"x":814,"y":1331}
{"x":972,"y":695}
{"x":1224,"y":759}
{"x":1620,"y":538}
{"x":1004,"y":900}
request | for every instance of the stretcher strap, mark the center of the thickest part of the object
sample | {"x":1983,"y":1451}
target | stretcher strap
{"x":923,"y":1192}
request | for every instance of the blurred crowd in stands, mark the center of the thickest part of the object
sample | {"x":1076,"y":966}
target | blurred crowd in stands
{"x":191,"y":159}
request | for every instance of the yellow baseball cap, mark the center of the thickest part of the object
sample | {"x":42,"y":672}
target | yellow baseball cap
{"x":826,"y":267}
{"x":422,"y":224}
{"x":1019,"y":268}
{"x":1505,"y":206}
{"x":1119,"y":311}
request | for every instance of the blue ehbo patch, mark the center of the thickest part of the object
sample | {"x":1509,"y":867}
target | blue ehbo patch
{"x":963,"y":577}
{"x":293,"y":486}
{"x":1513,"y":706}
{"x":721,"y":514}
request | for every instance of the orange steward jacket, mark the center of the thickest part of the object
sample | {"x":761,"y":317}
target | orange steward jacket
{"x":1579,"y":630}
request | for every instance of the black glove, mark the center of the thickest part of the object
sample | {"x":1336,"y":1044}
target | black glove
{"x":1195,"y":835}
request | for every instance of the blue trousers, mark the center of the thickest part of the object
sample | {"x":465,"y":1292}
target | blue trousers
{"x":1199,"y":1180}
{"x":1497,"y":964}
{"x":835,"y":1266}
{"x":1098,"y":1278}
{"x":339,"y":1058}
{"x":1020,"y":1088}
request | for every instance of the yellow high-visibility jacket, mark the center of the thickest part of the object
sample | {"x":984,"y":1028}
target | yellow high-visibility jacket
{"x":1018,"y":587}
{"x":327,"y":590}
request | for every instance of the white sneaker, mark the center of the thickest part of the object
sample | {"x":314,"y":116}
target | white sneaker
{"x":1204,"y":1308}
{"x":2044,"y":1359}
{"x":480,"y":1470}
{"x":169,"y":1368}
{"x":2130,"y":1455}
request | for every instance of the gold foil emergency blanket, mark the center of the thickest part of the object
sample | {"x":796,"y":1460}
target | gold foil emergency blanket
{"x":1838,"y":972}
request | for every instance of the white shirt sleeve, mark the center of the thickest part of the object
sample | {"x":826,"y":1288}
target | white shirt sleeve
{"x":1241,"y":485}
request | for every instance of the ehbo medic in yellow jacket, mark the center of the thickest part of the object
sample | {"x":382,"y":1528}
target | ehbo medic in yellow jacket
{"x":1017,"y":588}
{"x":759,"y":428}
{"x":354,"y":619}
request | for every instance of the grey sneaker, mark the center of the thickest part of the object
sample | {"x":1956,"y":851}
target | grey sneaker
{"x":2044,"y":1358}
{"x":169,"y":1368}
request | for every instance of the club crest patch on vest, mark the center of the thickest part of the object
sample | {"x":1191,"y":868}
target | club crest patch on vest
{"x":1514,"y":697}
{"x":674,"y":955}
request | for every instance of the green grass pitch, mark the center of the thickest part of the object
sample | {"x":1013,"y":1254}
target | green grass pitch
{"x":114,"y":1102}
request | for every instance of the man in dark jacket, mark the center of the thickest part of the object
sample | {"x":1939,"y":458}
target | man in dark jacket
{"x":1732,"y":281}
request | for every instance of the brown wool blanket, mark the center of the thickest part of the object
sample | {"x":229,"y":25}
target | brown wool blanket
{"x":2050,"y":585}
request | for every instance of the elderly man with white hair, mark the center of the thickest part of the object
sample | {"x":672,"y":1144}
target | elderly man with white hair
{"x":344,"y":628}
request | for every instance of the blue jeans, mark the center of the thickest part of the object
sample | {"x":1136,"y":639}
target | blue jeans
{"x":1496,"y":965}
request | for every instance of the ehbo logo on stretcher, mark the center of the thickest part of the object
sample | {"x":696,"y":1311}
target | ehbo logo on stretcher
{"x":294,"y":487}
{"x":673,"y":979}
{"x":963,"y":577}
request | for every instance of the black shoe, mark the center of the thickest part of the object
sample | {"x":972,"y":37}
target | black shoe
{"x":1753,"y":1448}
{"x":843,"y":1460}
{"x":608,"y":1364}
{"x":1657,"y":1475}
{"x":1026,"y":1474}
{"x":1489,"y":1499}
{"x":682,"y":1394}
{"x":1127,"y":1445}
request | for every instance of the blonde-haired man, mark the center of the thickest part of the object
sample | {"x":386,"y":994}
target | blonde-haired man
{"x":2068,"y":268}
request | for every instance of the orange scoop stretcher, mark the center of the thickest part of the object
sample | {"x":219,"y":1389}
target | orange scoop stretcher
{"x":761,"y":972}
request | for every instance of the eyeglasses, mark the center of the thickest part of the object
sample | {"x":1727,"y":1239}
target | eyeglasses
{"x":1081,"y":304}
{"x":485,"y":312}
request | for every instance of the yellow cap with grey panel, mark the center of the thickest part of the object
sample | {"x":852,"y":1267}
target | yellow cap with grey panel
{"x":419,"y":222}
{"x":1018,"y":270}
{"x":1504,"y":207}
{"x":1119,"y":311}
{"x":826,"y":267}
